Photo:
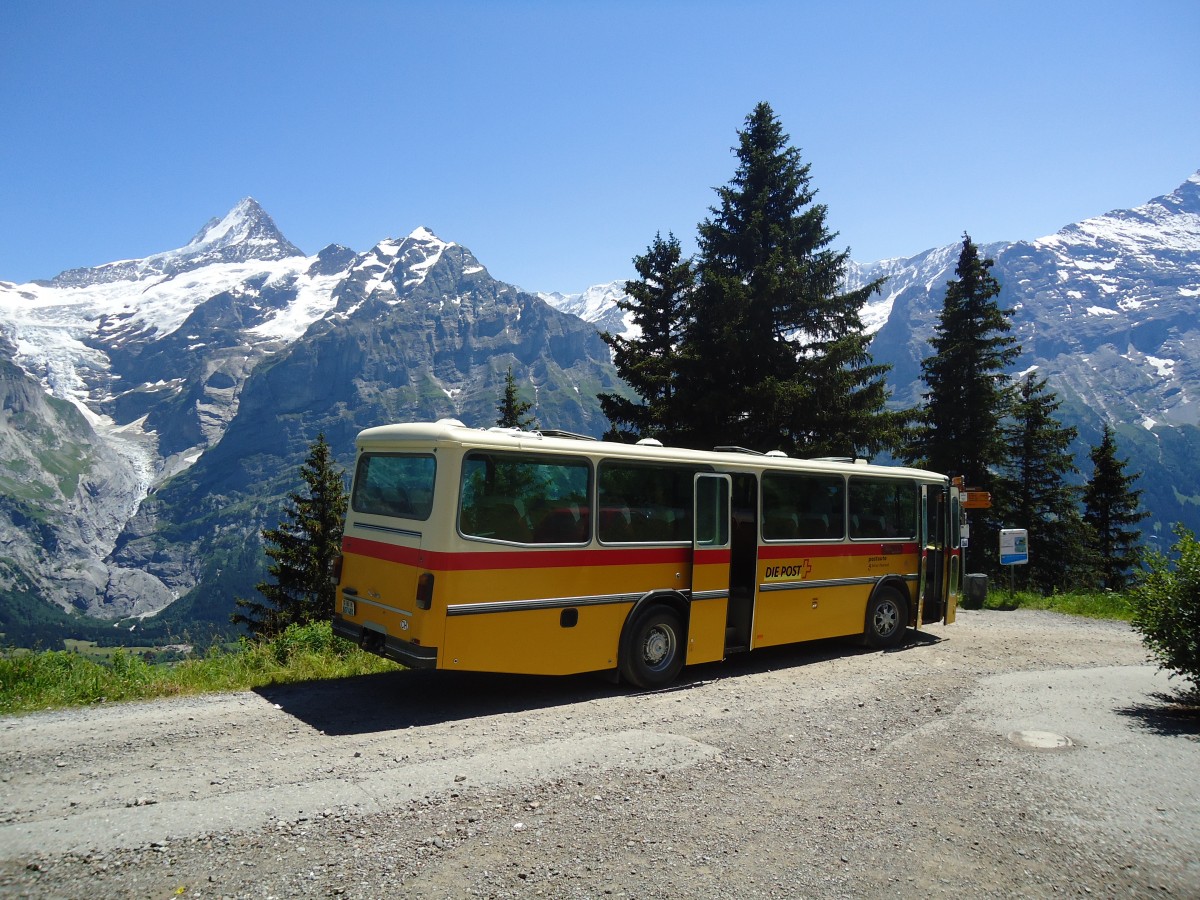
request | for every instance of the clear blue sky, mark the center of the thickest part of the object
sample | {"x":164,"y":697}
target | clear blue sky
{"x":555,"y":138}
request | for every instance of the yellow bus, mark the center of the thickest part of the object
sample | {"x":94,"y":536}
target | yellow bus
{"x":502,"y":550}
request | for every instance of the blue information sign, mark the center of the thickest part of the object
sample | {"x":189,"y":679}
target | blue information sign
{"x":1014,"y":546}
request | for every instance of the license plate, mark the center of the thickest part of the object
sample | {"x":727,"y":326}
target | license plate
{"x":347,"y":606}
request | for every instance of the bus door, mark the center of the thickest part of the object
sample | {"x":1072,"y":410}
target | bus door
{"x":711,"y":555}
{"x":939,"y":559}
{"x":954,"y":529}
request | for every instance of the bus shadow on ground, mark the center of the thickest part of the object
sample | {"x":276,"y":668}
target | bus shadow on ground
{"x":412,"y":698}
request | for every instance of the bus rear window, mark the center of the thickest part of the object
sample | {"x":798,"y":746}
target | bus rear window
{"x":394,"y":484}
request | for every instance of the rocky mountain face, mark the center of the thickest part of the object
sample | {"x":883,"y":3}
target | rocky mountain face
{"x":155,"y":412}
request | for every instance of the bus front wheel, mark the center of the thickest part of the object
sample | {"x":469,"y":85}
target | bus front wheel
{"x":887,"y":618}
{"x":652,"y":651}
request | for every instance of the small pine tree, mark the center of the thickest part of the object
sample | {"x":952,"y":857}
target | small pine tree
{"x":1033,"y":492}
{"x":513,"y":411}
{"x":649,"y":362}
{"x":301,"y":549}
{"x":1111,"y":509}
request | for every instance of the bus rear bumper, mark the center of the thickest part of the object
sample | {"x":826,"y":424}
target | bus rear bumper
{"x":403,"y":652}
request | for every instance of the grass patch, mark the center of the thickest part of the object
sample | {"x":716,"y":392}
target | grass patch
{"x":58,"y":678}
{"x":1097,"y":605}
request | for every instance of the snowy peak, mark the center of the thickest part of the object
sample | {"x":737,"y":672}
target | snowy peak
{"x":246,"y":233}
{"x":246,"y":225}
{"x":1170,"y":222}
{"x":597,"y":305}
{"x":396,"y":265}
{"x":592,"y":304}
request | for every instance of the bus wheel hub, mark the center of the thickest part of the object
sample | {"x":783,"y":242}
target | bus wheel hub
{"x":658,"y":644}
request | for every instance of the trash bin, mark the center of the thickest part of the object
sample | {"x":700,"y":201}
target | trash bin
{"x":974,"y":591}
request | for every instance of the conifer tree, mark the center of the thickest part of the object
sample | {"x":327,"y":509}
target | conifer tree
{"x":301,"y":548}
{"x":968,"y":392}
{"x":513,"y":411}
{"x":1111,"y":509}
{"x":1033,"y":492}
{"x":774,"y":353}
{"x":958,"y":430}
{"x":648,"y":361}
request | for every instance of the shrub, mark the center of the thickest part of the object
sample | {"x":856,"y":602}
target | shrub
{"x":314,"y":637}
{"x":1166,"y":607}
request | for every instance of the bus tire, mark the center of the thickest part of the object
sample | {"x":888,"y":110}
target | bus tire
{"x":652,"y":649}
{"x":887,"y":619}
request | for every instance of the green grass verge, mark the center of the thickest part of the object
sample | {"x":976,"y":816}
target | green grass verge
{"x":58,"y":678}
{"x":1098,"y":605}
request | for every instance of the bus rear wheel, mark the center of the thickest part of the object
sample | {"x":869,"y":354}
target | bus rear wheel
{"x":652,"y":650}
{"x":887,"y":619}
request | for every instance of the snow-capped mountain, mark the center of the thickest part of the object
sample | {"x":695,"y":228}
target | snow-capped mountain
{"x":246,"y":233}
{"x":1109,"y":308}
{"x":149,"y":427}
{"x":597,"y":305}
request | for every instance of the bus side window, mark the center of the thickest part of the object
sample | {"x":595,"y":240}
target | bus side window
{"x":562,"y":526}
{"x":883,"y":508}
{"x":802,"y":506}
{"x":525,"y":499}
{"x":644,"y":503}
{"x":499,"y":518}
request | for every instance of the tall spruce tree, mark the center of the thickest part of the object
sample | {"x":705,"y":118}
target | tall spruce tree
{"x":1033,"y":492}
{"x":969,"y":393}
{"x":958,"y":429}
{"x":1111,"y":510}
{"x":512,"y":411}
{"x":301,"y":548}
{"x":648,"y":362}
{"x":774,"y":353}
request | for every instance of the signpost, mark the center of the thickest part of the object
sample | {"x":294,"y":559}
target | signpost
{"x":1014,"y":551}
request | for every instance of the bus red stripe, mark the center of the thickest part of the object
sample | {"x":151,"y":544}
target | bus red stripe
{"x":514,"y":559}
{"x":874,"y":548}
{"x":607,"y":556}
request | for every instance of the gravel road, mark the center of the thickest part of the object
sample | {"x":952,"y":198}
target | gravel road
{"x":1011,"y":754}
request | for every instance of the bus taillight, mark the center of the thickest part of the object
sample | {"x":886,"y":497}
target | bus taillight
{"x":335,"y":568}
{"x":425,"y":590}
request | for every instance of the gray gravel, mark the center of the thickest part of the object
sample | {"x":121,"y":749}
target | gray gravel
{"x":1011,"y":754}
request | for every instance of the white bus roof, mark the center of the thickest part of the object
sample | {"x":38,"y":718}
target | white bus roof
{"x":453,"y":432}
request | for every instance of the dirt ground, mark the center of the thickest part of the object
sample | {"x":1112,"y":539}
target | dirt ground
{"x":1010,"y":754}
